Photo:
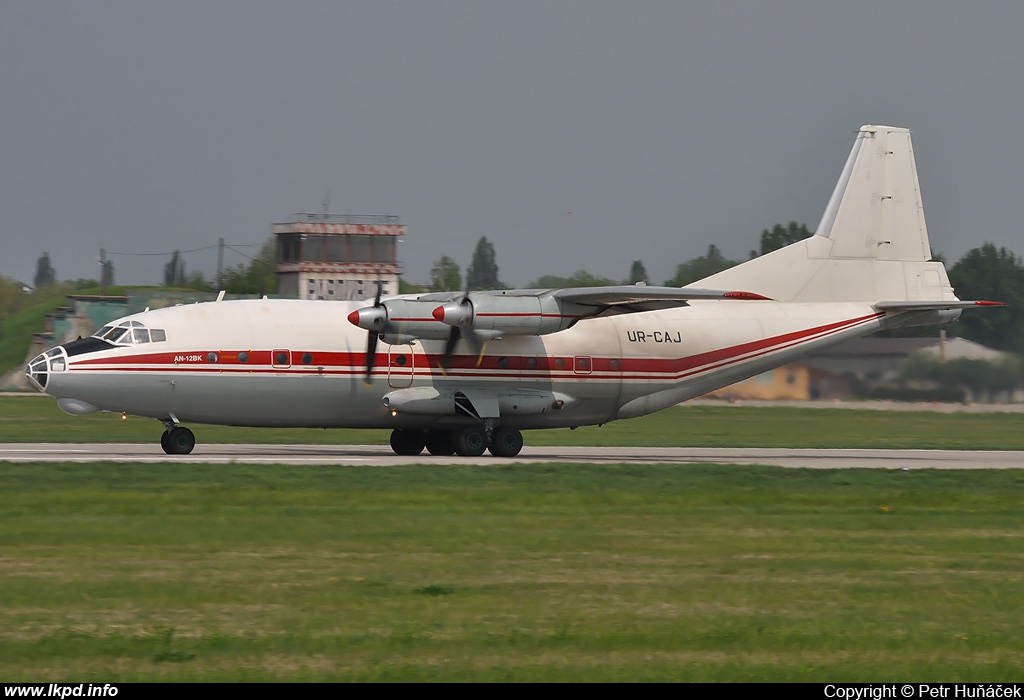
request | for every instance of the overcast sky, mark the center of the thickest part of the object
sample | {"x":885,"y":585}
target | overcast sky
{"x":574,"y":135}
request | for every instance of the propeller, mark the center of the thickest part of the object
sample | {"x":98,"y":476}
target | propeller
{"x":373,"y":319}
{"x":459,"y":315}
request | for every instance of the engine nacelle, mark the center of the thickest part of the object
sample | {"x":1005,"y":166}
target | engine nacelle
{"x":404,"y":319}
{"x":506,"y":315}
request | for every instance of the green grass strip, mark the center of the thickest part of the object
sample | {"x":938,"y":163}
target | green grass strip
{"x":114,"y":572}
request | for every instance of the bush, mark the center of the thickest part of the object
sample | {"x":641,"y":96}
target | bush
{"x":942,"y":394}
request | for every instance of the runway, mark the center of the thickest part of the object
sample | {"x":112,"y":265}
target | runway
{"x":381,"y":456}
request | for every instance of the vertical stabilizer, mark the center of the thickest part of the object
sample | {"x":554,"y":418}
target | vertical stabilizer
{"x":871,"y":244}
{"x":876,"y":210}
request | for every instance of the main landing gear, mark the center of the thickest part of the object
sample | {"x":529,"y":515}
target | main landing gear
{"x":502,"y":441}
{"x":177,"y":441}
{"x":473,"y":441}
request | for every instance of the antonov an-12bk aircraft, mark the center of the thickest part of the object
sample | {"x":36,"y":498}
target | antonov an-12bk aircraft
{"x":466,"y":372}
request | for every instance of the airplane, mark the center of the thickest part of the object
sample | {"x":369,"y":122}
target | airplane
{"x":465,"y":372}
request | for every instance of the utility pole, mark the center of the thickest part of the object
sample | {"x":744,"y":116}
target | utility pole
{"x":103,"y":272}
{"x":220,"y":264}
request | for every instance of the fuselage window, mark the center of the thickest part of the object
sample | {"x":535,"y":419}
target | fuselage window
{"x":243,"y":356}
{"x":157,"y":335}
{"x":141,"y":335}
{"x":306,"y":358}
{"x":281,"y":358}
{"x":212,"y":357}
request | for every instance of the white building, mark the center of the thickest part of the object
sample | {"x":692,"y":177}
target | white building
{"x":337,"y":256}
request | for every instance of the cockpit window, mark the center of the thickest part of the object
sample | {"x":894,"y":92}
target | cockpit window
{"x":130,"y":333}
{"x":117,"y":334}
{"x":109,"y":333}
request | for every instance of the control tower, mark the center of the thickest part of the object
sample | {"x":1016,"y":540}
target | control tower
{"x":337,"y":256}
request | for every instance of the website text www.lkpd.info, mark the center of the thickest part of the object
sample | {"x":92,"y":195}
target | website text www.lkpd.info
{"x":60,"y":690}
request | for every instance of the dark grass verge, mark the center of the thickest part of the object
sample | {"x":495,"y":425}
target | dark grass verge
{"x":37,"y":419}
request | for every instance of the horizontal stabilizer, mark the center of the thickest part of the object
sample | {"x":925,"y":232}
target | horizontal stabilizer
{"x":932,"y":305}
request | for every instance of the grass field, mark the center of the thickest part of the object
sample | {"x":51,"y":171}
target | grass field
{"x":185,"y":572}
{"x":37,"y":419}
{"x":112,"y":572}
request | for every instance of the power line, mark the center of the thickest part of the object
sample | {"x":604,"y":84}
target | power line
{"x":232,"y":249}
{"x":172,"y":252}
{"x":190,"y":250}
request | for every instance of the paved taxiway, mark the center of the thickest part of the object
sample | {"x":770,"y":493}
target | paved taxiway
{"x":380,"y":456}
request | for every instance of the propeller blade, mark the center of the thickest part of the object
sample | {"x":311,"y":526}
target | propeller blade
{"x":371,"y":354}
{"x":474,"y":342}
{"x":373,"y":319}
{"x":459,"y":315}
{"x":449,"y":348}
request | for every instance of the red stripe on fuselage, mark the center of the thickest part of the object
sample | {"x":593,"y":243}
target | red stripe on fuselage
{"x":346,"y":363}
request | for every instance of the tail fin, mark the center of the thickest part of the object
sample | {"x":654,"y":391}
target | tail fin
{"x":871,"y":243}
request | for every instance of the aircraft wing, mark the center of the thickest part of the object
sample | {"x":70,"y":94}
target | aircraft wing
{"x":626,"y":298}
{"x":492,"y":313}
{"x":631,"y":295}
{"x":614,"y":294}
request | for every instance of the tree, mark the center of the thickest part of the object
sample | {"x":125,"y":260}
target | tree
{"x":258,"y":277}
{"x":637,"y":272}
{"x":174,"y":271}
{"x":483,"y":271}
{"x":445,"y":276}
{"x":983,"y":378}
{"x":780,"y":237}
{"x":996,"y":275}
{"x":580,"y":278}
{"x":408,"y":287}
{"x":197,"y":280}
{"x":12,"y":297}
{"x":699,"y":268}
{"x":45,"y":274}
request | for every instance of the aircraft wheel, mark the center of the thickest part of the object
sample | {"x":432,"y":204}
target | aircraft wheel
{"x":407,"y":442}
{"x":180,"y":440}
{"x":441,"y":443}
{"x":506,"y":442}
{"x":471,"y":442}
{"x":165,"y":442}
